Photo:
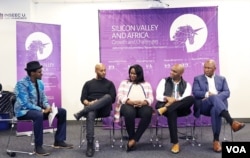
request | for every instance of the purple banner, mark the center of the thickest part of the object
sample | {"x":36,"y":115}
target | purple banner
{"x":42,"y":42}
{"x":156,"y":39}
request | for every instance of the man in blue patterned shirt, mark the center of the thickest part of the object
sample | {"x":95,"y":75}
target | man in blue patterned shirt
{"x":32,"y":104}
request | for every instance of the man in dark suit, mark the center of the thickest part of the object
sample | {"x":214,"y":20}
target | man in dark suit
{"x":211,"y":93}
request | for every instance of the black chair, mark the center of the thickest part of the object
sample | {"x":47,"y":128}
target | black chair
{"x":14,"y":121}
{"x":98,"y":124}
{"x":152,"y":138}
{"x":201,"y":123}
{"x":187,"y":125}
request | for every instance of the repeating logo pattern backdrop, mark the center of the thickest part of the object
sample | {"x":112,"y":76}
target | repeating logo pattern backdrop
{"x":42,"y":42}
{"x":156,"y":39}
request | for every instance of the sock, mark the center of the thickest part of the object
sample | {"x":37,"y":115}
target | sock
{"x":227,"y":116}
{"x":216,"y":137}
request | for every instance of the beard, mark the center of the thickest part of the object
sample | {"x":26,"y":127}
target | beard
{"x":99,"y":77}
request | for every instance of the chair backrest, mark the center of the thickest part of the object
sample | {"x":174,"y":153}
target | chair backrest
{"x":13,"y":100}
{"x":5,"y":104}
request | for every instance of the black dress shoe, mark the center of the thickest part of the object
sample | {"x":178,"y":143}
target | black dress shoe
{"x":62,"y":144}
{"x":77,"y":116}
{"x":81,"y":113}
{"x":39,"y":150}
{"x":90,"y":149}
{"x":90,"y":152}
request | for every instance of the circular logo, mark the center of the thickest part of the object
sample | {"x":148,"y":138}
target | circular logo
{"x":192,"y":31}
{"x":39,"y":44}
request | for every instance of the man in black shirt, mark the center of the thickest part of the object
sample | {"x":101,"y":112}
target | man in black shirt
{"x":98,"y":94}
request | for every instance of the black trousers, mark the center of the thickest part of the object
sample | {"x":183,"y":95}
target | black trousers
{"x":130,"y":113}
{"x":100,"y":108}
{"x":177,"y":109}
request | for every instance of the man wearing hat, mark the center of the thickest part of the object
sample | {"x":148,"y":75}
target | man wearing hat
{"x":32,"y":104}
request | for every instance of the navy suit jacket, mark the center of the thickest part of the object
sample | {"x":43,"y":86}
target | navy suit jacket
{"x":200,"y":87}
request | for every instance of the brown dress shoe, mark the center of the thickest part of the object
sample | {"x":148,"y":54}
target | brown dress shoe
{"x":216,"y":146}
{"x":236,"y":126}
{"x":131,"y":145}
{"x":175,"y":148}
{"x":162,"y":110}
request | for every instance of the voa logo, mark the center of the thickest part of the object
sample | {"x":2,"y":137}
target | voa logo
{"x":236,"y":149}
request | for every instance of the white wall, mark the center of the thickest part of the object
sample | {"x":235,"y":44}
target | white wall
{"x":80,"y":45}
{"x":8,"y":40}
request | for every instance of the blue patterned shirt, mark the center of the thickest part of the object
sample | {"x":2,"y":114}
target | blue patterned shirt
{"x":26,"y":97}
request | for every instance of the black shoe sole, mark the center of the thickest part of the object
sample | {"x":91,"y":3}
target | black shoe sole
{"x":45,"y":154}
{"x":75,"y":115}
{"x":90,"y":154}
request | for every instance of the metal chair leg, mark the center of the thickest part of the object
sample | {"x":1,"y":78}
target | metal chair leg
{"x":194,"y":135}
{"x":83,"y":132}
{"x":158,"y":138}
{"x":12,"y":152}
{"x":224,"y":130}
{"x":112,"y":134}
{"x":123,"y":137}
{"x":122,"y":133}
{"x":200,"y":122}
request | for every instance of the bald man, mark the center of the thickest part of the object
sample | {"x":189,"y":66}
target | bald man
{"x":174,"y":100}
{"x":211,"y":93}
{"x":98,"y":94}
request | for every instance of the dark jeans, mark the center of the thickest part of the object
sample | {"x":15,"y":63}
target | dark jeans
{"x":130,"y":114}
{"x":37,"y":117}
{"x":177,"y":109}
{"x":100,"y":108}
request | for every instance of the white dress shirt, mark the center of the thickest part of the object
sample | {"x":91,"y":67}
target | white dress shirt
{"x":211,"y":86}
{"x":161,"y":88}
